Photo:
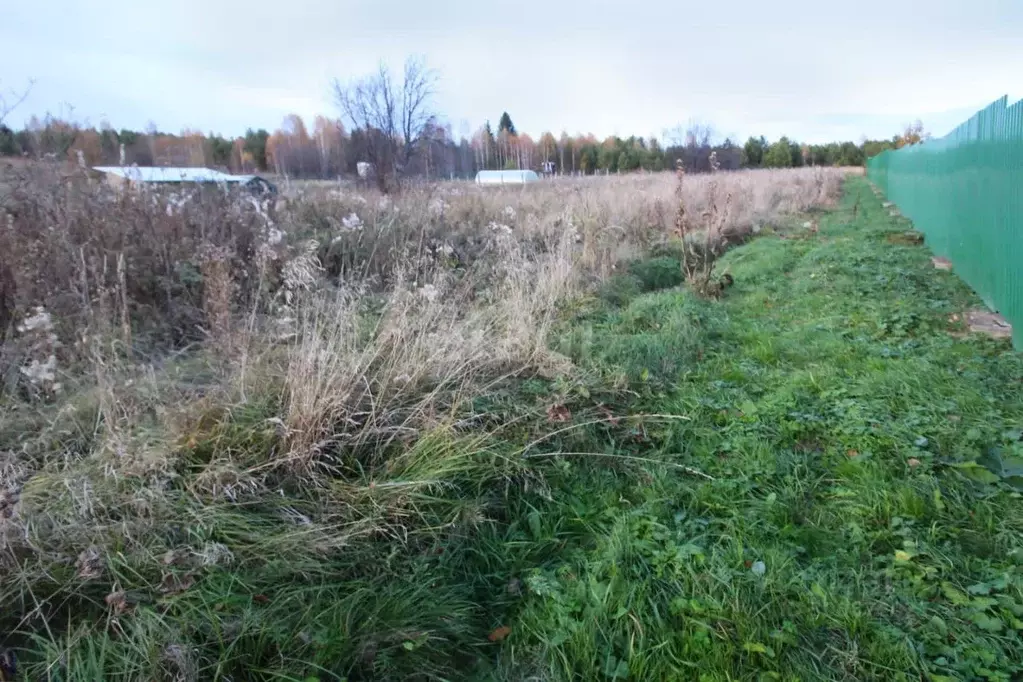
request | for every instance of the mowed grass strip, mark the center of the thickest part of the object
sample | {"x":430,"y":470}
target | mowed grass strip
{"x":860,"y":515}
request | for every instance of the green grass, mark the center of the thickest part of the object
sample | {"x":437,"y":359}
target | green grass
{"x":810,"y":478}
{"x":858,"y":524}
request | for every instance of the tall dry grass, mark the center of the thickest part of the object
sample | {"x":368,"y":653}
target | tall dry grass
{"x":297,"y":377}
{"x":366,"y":318}
{"x":613,"y":217}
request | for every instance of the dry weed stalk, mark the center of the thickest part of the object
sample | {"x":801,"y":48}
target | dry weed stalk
{"x":699,"y":256}
{"x":214,"y":264}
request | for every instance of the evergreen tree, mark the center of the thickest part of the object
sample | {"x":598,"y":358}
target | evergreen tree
{"x":779,"y":154}
{"x":796,"y":154}
{"x":753,"y":152}
{"x":8,"y":143}
{"x":490,"y":145}
{"x":255,"y":144}
{"x":506,"y":125}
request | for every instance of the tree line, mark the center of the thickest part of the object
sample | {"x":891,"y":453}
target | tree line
{"x":329,"y":150}
{"x":391,"y":125}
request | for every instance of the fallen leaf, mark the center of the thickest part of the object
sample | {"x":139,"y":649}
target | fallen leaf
{"x":261,"y":599}
{"x":499,"y":634}
{"x":851,"y":453}
{"x":558,"y":413}
{"x":8,"y":499}
{"x":89,"y":563}
{"x":609,"y":416}
{"x":118,"y":601}
{"x":173,"y":583}
{"x":900,"y":555}
{"x":175,"y":557}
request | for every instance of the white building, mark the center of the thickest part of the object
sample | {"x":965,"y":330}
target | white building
{"x":120,"y":176}
{"x":506,"y":177}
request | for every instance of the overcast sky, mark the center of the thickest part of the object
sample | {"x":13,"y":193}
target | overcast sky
{"x":812,"y":69}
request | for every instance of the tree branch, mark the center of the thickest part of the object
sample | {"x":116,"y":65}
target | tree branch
{"x":8,"y":105}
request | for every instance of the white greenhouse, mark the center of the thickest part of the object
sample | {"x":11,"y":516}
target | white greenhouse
{"x":506,"y":177}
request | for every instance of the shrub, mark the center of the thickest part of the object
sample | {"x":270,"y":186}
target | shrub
{"x":620,"y":289}
{"x":661,"y":272}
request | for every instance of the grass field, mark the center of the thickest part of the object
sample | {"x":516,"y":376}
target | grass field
{"x":812,"y":477}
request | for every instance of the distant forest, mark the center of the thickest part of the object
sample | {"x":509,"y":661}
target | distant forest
{"x":329,"y":150}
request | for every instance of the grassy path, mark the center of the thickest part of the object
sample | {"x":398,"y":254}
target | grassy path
{"x":855,"y":514}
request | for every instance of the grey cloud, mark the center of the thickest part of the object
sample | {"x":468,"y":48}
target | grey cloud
{"x":747,"y":66}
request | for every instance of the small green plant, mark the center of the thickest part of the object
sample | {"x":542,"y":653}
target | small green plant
{"x":618,"y":290}
{"x":657,"y":273}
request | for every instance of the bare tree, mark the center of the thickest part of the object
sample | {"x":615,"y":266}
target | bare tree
{"x":692,"y":144}
{"x":394,"y":116}
{"x":12,"y":99}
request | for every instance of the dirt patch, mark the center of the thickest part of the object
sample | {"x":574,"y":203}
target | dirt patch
{"x":807,"y":229}
{"x":987,"y":322}
{"x":941,"y":263}
{"x":908,"y":238}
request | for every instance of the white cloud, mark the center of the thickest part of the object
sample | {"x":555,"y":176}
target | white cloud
{"x":809,"y":69}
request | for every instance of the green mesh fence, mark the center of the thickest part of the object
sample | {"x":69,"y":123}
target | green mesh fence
{"x":963,"y":192}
